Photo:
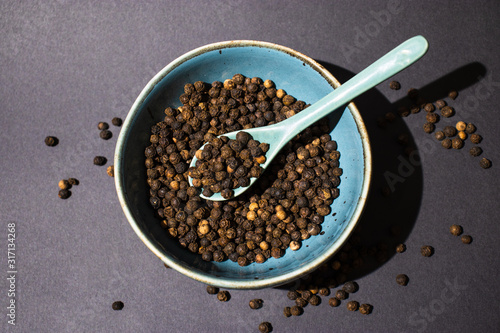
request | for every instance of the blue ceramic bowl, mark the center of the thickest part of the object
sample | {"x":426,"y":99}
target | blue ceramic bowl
{"x":299,"y":76}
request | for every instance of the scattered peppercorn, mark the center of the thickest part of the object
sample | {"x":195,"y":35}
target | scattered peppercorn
{"x":111,"y":171}
{"x":446,"y":143}
{"x":212,"y":290}
{"x":485,"y":163}
{"x":439,"y":135}
{"x":350,"y":287}
{"x":461,"y":126}
{"x":429,"y":127}
{"x":287,"y":311}
{"x":462,"y":135}
{"x":341,"y":294}
{"x":403,"y":111}
{"x":432,"y":117}
{"x":64,"y":194}
{"x":105,"y":134}
{"x":255,"y":303}
{"x":51,"y":141}
{"x":453,"y":94}
{"x":429,"y":107}
{"x":470,"y":128}
{"x":102,"y":126}
{"x":100,"y":160}
{"x":400,"y":248}
{"x":293,"y":295}
{"x":265,"y":327}
{"x":223,"y":296}
{"x":466,"y":239}
{"x":457,"y":143}
{"x":415,"y":109}
{"x":116,"y":121}
{"x":395,"y":85}
{"x":365,"y":309}
{"x":334,"y":302}
{"x":314,"y":300}
{"x":475,"y":138}
{"x":427,"y":250}
{"x":118,"y":305}
{"x":324,"y":291}
{"x":475,"y":151}
{"x":301,"y":302}
{"x":447,"y":111}
{"x":440,"y":104}
{"x":352,"y":306}
{"x":64,"y":184}
{"x":450,"y":131}
{"x":296,"y":310}
{"x":456,"y":230}
{"x":73,"y":181}
{"x":413,"y":93}
{"x":402,"y":279}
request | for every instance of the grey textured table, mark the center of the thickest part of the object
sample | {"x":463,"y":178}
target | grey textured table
{"x":66,"y":65}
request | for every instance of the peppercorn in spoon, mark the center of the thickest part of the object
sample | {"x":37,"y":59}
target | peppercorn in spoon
{"x":277,"y":135}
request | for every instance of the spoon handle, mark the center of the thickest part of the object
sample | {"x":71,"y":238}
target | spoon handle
{"x":393,"y":62}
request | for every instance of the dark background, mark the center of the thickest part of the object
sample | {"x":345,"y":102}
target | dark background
{"x":66,"y":65}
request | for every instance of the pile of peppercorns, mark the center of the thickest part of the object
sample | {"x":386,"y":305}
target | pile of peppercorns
{"x":224,"y":164}
{"x":285,"y":206}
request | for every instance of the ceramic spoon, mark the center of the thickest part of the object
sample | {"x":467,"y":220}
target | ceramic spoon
{"x":277,"y":135}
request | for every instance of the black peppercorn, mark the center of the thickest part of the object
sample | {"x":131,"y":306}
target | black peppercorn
{"x":51,"y":141}
{"x":457,"y":143}
{"x":341,"y":294}
{"x":475,"y":138}
{"x":429,"y":127}
{"x":447,"y":111}
{"x":334,"y":302}
{"x":365,"y":309}
{"x":296,"y":310}
{"x":105,"y":134}
{"x":453,"y":94}
{"x":255,"y":303}
{"x":400,"y":248}
{"x":64,"y":194}
{"x":116,"y":121}
{"x":223,"y":296}
{"x":352,"y":306}
{"x":429,"y":107}
{"x":450,"y":131}
{"x":427,"y":250}
{"x":314,"y":300}
{"x":446,"y":143}
{"x":212,"y":290}
{"x":466,"y":239}
{"x":395,"y":85}
{"x":402,"y":279}
{"x":456,"y":230}
{"x":350,"y":287}
{"x":100,"y":160}
{"x":300,"y":302}
{"x":293,"y":295}
{"x":118,"y":305}
{"x":440,"y":104}
{"x":287,"y":311}
{"x":102,"y":126}
{"x":485,"y":163}
{"x":439,"y":135}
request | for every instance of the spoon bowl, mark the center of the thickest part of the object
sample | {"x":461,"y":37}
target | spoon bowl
{"x":277,"y":135}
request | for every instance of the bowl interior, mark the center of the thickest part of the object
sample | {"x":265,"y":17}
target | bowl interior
{"x":298,"y":76}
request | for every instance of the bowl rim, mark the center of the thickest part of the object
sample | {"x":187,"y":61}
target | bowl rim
{"x":208,"y":278}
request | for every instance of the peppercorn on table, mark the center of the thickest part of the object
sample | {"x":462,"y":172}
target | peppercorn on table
{"x":71,"y":72}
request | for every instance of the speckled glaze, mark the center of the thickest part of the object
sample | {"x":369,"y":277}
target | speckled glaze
{"x":299,"y":76}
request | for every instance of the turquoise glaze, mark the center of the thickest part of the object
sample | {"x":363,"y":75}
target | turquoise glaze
{"x":279,"y":134}
{"x":301,"y":77}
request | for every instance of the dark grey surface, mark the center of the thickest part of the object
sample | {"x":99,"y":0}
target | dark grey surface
{"x":67,"y":65}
